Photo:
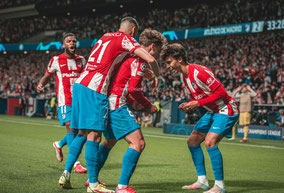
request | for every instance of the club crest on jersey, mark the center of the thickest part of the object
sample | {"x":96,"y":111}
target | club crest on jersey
{"x":79,"y":63}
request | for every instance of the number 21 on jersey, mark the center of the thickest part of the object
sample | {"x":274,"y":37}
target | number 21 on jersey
{"x":99,"y":44}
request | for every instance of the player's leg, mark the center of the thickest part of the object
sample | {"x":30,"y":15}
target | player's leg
{"x":77,"y":144}
{"x":123,"y":124}
{"x":136,"y":146}
{"x":104,"y":150}
{"x":246,"y":122}
{"x":221,"y":126}
{"x":195,"y":139}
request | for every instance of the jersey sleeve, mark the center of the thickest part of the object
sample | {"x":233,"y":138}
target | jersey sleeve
{"x":83,"y":61}
{"x":129,"y":43}
{"x":52,"y":66}
{"x":207,"y":81}
{"x":134,"y":88}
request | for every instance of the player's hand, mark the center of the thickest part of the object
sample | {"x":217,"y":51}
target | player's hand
{"x":148,"y":74}
{"x":39,"y":88}
{"x":153,"y":109}
{"x":191,"y":105}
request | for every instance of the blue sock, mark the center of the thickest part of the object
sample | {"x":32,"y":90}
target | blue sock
{"x":70,"y":137}
{"x":74,"y":151}
{"x":216,"y":162}
{"x":63,"y":141}
{"x":129,"y":162}
{"x":91,"y":156}
{"x":103,"y":154}
{"x":198,"y":159}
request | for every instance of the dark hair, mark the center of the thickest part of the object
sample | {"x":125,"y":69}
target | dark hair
{"x":149,"y":36}
{"x":130,"y":20}
{"x":174,"y":50}
{"x":66,"y":34}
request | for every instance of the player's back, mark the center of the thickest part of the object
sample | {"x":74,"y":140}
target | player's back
{"x":106,"y":55}
{"x":128,"y":76}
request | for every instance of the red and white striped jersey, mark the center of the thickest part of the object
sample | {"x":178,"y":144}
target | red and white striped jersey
{"x":67,"y":71}
{"x":201,"y":83}
{"x":105,"y":57}
{"x":127,"y":80}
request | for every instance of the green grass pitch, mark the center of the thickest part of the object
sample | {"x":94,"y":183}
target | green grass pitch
{"x":28,"y":163}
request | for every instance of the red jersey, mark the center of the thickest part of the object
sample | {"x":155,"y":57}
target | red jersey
{"x":127,"y":80}
{"x":67,"y":71}
{"x":201,"y":84}
{"x":105,"y":57}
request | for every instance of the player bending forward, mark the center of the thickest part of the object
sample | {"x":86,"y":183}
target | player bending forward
{"x":67,"y":67}
{"x":205,"y":91}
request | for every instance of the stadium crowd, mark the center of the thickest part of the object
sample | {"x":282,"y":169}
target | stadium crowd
{"x":253,"y":59}
{"x":201,"y":15}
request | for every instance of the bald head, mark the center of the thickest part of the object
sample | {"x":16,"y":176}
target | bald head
{"x":129,"y":25}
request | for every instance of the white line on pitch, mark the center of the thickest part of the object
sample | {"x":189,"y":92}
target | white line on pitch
{"x":150,"y":135}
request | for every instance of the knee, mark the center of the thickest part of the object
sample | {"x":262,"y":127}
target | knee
{"x":139,"y":145}
{"x":209,"y":143}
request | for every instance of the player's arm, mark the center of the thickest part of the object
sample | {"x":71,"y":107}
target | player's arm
{"x":43,"y":81}
{"x":134,"y":89}
{"x":52,"y":67}
{"x":142,"y":53}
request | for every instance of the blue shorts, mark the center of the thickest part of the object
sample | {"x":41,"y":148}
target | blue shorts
{"x":64,"y":114}
{"x":89,"y":109}
{"x":121,"y":123}
{"x":216,"y":123}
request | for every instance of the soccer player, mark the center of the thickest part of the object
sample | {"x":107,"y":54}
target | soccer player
{"x":90,"y":101}
{"x":205,"y":91}
{"x":67,"y":67}
{"x":122,"y":123}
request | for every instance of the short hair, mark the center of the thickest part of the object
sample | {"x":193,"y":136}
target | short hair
{"x":66,"y":34}
{"x":149,"y":36}
{"x":174,"y":50}
{"x":130,"y":20}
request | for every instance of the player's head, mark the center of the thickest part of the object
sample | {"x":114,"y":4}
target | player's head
{"x":69,"y":43}
{"x":152,"y":41}
{"x":174,"y":56}
{"x":129,"y":25}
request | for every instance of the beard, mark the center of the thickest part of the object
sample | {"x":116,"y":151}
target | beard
{"x":69,"y":52}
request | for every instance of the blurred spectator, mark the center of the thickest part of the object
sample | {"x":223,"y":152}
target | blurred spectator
{"x":146,"y":120}
{"x":245,"y":94}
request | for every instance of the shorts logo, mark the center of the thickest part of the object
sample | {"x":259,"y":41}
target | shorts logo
{"x":216,"y":127}
{"x":63,"y":116}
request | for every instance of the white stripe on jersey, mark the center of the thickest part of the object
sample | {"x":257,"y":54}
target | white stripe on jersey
{"x":117,"y":60}
{"x":82,"y":75}
{"x":61,"y":97}
{"x":234,"y":107}
{"x":122,"y":100}
{"x":112,"y":101}
{"x":71,"y":63}
{"x":201,"y":84}
{"x":96,"y":81}
{"x":189,"y":85}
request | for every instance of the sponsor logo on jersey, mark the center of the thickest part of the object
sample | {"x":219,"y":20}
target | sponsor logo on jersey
{"x":73,"y":74}
{"x":61,"y":65}
{"x":210,"y":81}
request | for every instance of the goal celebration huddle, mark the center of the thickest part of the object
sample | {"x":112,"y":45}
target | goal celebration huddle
{"x":94,"y":96}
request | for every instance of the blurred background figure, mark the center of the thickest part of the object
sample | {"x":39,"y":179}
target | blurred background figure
{"x":245,"y":94}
